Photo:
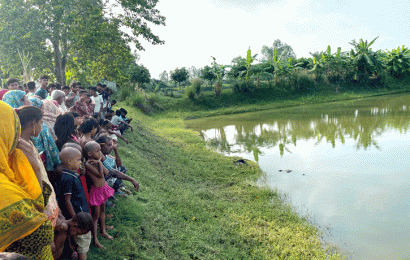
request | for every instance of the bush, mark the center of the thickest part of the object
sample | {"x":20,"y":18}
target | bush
{"x":242,"y":87}
{"x":190,"y":92}
{"x":196,"y":84}
{"x":124,"y":93}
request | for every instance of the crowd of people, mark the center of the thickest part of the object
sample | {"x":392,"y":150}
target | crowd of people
{"x":59,"y":168}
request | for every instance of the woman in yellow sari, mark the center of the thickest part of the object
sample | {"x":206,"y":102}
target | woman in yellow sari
{"x":24,"y":228}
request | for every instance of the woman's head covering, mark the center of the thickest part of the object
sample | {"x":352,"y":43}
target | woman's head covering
{"x":13,"y":98}
{"x":21,"y":203}
{"x":36,"y":101}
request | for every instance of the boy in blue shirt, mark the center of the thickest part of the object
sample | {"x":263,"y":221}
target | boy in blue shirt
{"x":71,"y":195}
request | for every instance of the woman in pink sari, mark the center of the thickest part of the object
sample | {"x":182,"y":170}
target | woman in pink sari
{"x":51,"y":110}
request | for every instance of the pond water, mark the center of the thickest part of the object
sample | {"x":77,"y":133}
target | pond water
{"x":349,"y":166}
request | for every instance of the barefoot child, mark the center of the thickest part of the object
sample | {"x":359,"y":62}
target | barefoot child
{"x":71,"y":195}
{"x":100,"y":192}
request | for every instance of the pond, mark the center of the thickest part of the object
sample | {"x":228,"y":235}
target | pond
{"x":344,"y":165}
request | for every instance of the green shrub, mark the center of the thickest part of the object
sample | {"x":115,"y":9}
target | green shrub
{"x":124,"y":93}
{"x":136,"y":100}
{"x":242,"y":87}
{"x":190,"y":92}
{"x":196,"y":83}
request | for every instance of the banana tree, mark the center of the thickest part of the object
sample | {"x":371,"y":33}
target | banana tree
{"x":249,"y":60}
{"x":398,"y":62}
{"x":366,"y":61}
{"x":219,"y":71}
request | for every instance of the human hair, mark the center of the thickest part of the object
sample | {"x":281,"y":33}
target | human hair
{"x":105,"y":122}
{"x":75,"y":114}
{"x":88,"y":125}
{"x":28,"y":114}
{"x":64,"y":128}
{"x":84,"y":220}
{"x":31,"y":85}
{"x":104,"y":86}
{"x":82,"y":92}
{"x":57,"y":94}
{"x":114,"y":101}
{"x":118,"y":112}
{"x":44,"y":77}
{"x":99,"y":84}
{"x":74,"y":84}
{"x":58,"y":86}
{"x":52,"y":85}
{"x":93,"y":89}
{"x":102,"y":139}
{"x":11,"y":81}
{"x":65,"y":87}
{"x":123,"y":110}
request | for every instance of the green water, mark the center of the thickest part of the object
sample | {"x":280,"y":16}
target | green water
{"x":349,"y":166}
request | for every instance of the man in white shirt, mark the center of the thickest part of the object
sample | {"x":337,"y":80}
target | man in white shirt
{"x":98,"y":100}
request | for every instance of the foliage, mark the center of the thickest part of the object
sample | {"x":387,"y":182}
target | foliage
{"x":207,"y":73}
{"x":196,"y":83}
{"x":164,"y":77}
{"x":246,"y":74}
{"x":219,"y":71}
{"x":138,"y":74}
{"x":364,"y":59}
{"x":179,"y":75}
{"x":398,"y":62}
{"x":190,"y":92}
{"x":86,"y":34}
{"x":283,"y":50}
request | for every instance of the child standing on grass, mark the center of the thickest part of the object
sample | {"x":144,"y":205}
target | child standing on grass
{"x":100,"y":192}
{"x":71,"y":195}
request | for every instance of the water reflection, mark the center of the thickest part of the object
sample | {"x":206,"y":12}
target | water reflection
{"x":280,"y":130}
{"x":349,"y":160}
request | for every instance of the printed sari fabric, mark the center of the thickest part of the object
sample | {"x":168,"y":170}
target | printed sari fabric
{"x":22,"y":202}
{"x":45,"y":143}
{"x":13,"y":98}
{"x":50,"y":113}
{"x":35,"y":101}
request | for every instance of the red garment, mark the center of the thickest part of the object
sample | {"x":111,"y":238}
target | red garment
{"x":2,"y":92}
{"x":87,"y":194}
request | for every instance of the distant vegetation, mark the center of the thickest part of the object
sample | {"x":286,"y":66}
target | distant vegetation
{"x":277,"y":74}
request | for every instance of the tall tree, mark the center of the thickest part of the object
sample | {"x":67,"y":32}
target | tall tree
{"x":179,"y":75}
{"x":138,"y":74}
{"x":55,"y":31}
{"x":284,"y":50}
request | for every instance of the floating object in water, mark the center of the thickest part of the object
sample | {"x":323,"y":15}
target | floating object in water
{"x":280,"y":170}
{"x":288,"y":171}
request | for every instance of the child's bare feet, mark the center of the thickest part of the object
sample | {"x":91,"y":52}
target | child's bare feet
{"x":97,"y":244}
{"x":105,"y":234}
{"x":109,"y":227}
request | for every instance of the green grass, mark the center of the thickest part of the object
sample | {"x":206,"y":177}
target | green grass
{"x":207,"y":104}
{"x":196,"y":204}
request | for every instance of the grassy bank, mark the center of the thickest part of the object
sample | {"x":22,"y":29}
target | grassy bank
{"x":197,"y":204}
{"x":207,"y":104}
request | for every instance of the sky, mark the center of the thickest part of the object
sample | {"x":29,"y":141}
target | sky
{"x":198,"y":29}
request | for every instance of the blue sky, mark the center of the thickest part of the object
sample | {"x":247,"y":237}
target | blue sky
{"x":199,"y":29}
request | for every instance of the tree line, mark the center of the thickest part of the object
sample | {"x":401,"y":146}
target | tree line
{"x":87,"y":40}
{"x":278,"y":66}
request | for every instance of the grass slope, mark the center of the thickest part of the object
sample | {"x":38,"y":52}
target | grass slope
{"x":196,"y":204}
